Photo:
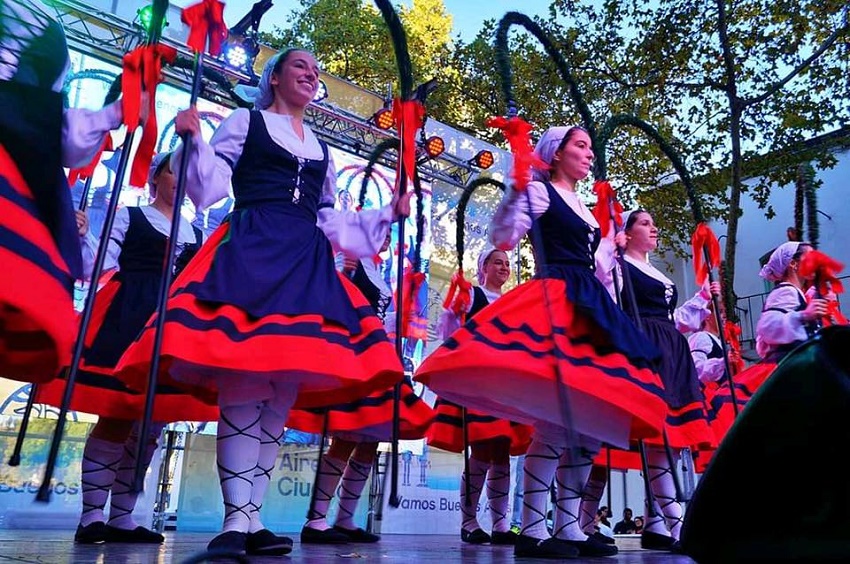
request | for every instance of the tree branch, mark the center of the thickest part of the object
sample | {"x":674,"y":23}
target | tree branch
{"x":773,"y":88}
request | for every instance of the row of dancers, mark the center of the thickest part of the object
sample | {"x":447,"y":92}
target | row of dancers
{"x":263,"y":330}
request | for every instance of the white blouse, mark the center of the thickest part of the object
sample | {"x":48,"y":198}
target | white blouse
{"x":780,"y":323}
{"x":120,"y":225}
{"x":210,"y":169}
{"x":688,"y":316}
{"x":517,"y":212}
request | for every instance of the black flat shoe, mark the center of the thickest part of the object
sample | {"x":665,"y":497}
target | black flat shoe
{"x":266,"y":543}
{"x":654,"y":541}
{"x":591,"y":548}
{"x":358,"y":535}
{"x":139,"y":535}
{"x":93,"y":533}
{"x":530,"y":547}
{"x":328,"y":536}
{"x":508,"y":537}
{"x":477,"y":536}
{"x":597,"y":536}
{"x":229,"y":542}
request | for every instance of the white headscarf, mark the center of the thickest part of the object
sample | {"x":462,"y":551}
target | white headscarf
{"x":155,"y":163}
{"x":780,"y":258}
{"x":482,"y":258}
{"x":546,"y":148}
{"x":263,"y":94}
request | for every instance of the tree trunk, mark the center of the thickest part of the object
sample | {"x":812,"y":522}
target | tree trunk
{"x":730,"y":299}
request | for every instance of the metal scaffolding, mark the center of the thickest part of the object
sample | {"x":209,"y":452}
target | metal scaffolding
{"x":106,"y":36}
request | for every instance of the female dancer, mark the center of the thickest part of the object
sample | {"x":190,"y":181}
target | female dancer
{"x":136,"y":250}
{"x":260,"y":318}
{"x":492,"y":441}
{"x":39,"y":246}
{"x":687,"y":421}
{"x":357,"y":428}
{"x":556,"y":351}
{"x":786,"y":321}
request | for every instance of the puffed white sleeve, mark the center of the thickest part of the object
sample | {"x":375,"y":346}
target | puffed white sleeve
{"x":780,"y":323}
{"x":83,"y":132}
{"x":113,"y":250}
{"x":690,"y":315}
{"x":607,"y":266}
{"x":515,"y":214}
{"x":449,"y":322}
{"x":210,"y":167}
{"x":358,"y":234}
{"x":708,"y":369}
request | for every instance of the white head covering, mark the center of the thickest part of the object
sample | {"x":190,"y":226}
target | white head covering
{"x":482,"y":258}
{"x":547,"y":146}
{"x":155,"y":163}
{"x":262,"y":95}
{"x":780,"y":258}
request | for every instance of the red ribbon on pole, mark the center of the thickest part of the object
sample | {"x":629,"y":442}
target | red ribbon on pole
{"x":205,"y":20}
{"x":142,"y":67}
{"x":823,"y":269}
{"x":605,"y":195}
{"x":409,"y":116}
{"x":732,"y":332}
{"x":85,"y":172}
{"x":458,"y":300}
{"x":704,"y":238}
{"x":517,"y":133}
{"x":412,"y":283}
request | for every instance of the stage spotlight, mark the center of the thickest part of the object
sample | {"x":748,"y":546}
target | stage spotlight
{"x":434,"y":146}
{"x":235,"y":55}
{"x":483,"y":160}
{"x":383,"y":118}
{"x":144,"y":15}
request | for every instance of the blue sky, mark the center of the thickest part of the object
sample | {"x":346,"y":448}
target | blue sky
{"x":467,"y":15}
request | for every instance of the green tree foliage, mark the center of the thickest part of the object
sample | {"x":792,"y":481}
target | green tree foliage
{"x":734,"y":81}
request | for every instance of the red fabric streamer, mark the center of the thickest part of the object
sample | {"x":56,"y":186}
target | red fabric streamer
{"x":412,"y":284}
{"x":606,"y":197}
{"x":732,"y":332}
{"x":517,"y":132}
{"x":205,"y":20}
{"x":823,"y":269}
{"x":458,"y":300}
{"x":142,"y":67}
{"x":704,"y":238}
{"x":409,"y":116}
{"x":85,"y":172}
{"x":833,"y":315}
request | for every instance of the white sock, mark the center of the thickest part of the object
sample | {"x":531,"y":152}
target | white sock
{"x":590,"y":498}
{"x":667,"y":518}
{"x":271,"y":434}
{"x":498,"y":492}
{"x":124,"y":498}
{"x":541,"y":460}
{"x":350,"y":488}
{"x":469,"y":506}
{"x":237,"y":453}
{"x":100,"y":461}
{"x":571,"y":478}
{"x":330,"y":471}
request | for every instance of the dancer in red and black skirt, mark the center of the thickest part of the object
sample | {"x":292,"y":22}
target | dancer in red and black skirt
{"x":260,"y":318}
{"x":687,"y":426}
{"x":786,"y":321}
{"x":357,"y":428}
{"x":558,"y":337}
{"x":137,"y":245}
{"x":492,"y":440}
{"x":39,"y":246}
